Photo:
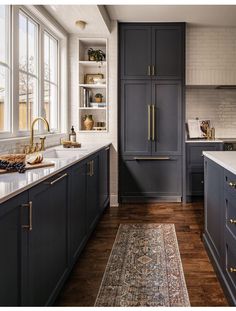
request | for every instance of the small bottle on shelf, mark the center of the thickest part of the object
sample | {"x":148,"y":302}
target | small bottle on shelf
{"x":72,"y":135}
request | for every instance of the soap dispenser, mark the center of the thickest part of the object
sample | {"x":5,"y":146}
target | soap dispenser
{"x":72,"y":135}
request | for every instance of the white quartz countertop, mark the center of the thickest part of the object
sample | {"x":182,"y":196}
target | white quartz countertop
{"x":12,"y":184}
{"x":204,"y":141}
{"x":227,"y":159}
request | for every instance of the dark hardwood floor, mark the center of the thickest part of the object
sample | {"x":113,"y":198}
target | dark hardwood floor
{"x":203,"y":286}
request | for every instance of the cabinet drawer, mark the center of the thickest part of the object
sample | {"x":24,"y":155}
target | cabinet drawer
{"x":230,"y":183}
{"x":195,"y":152}
{"x":230,"y":203}
{"x":230,"y":256}
{"x":150,"y":178}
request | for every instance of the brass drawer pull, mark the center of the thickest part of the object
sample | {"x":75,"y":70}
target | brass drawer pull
{"x":153,"y":70}
{"x":149,"y":70}
{"x":232,"y":184}
{"x":30,"y":225}
{"x":151,"y":158}
{"x":58,"y":179}
{"x":232,"y":221}
{"x":232,"y":270}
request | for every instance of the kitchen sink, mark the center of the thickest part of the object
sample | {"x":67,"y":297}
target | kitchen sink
{"x":62,"y":154}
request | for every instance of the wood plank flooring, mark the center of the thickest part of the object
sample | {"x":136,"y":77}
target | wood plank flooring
{"x":203,"y":287}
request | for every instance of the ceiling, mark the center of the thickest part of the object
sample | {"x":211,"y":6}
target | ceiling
{"x":205,"y":15}
{"x":98,"y":17}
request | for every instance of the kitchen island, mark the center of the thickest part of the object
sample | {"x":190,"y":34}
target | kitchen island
{"x":220,"y":216}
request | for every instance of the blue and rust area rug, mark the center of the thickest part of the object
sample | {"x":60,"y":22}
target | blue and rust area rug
{"x":144,"y":269}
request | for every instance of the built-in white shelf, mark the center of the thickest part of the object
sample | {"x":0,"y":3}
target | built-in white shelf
{"x":88,"y":63}
{"x":92,"y":108}
{"x":93,"y":86}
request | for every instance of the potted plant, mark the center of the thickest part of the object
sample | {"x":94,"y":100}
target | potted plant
{"x":98,"y":97}
{"x":96,"y":55}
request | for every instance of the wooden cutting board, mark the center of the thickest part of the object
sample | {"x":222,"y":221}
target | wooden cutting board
{"x":31,"y":167}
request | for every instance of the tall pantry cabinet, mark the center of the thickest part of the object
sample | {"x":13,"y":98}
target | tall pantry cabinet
{"x":151,"y":81}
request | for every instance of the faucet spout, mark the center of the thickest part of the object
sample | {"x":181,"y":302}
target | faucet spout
{"x":32,"y":129}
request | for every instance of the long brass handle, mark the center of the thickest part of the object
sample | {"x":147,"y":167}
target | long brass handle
{"x":232,"y":221}
{"x":58,"y":179}
{"x":149,"y":122}
{"x":153,"y":70}
{"x":232,"y":184}
{"x":153,"y":122}
{"x":151,"y":158}
{"x":30,"y":225}
{"x":89,"y":164}
{"x":149,"y":70}
{"x":232,"y":270}
{"x":92,"y":169}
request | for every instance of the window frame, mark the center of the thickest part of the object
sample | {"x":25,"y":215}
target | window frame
{"x":43,"y":25}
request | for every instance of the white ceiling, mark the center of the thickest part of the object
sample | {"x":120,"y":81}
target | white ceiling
{"x":207,"y":15}
{"x":97,"y":18}
{"x":67,"y":15}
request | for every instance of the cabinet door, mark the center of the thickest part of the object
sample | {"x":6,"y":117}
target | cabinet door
{"x":104,"y":172}
{"x":77,"y":211}
{"x":214,"y":213}
{"x":135,"y":51}
{"x":10,"y":242}
{"x":168,"y":51}
{"x":48,"y":246}
{"x":167,"y":98}
{"x":135,"y":123}
{"x":92,"y":209}
{"x":153,"y":179}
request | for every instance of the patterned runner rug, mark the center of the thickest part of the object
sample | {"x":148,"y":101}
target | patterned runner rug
{"x":144,"y":269}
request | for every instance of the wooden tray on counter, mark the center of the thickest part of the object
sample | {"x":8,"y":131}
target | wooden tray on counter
{"x":31,"y":167}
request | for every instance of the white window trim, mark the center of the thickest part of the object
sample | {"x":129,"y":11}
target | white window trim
{"x":47,"y":23}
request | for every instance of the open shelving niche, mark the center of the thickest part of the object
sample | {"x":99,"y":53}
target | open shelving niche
{"x":100,"y":114}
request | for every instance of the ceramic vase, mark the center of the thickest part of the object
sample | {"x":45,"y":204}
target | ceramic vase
{"x":88,"y":122}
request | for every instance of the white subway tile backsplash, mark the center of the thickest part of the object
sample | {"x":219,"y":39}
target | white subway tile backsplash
{"x":219,"y":106}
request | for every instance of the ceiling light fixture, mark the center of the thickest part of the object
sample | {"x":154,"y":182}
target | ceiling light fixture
{"x":80,"y":24}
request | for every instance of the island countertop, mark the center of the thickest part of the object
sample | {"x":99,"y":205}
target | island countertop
{"x":226,"y":159}
{"x":12,"y":184}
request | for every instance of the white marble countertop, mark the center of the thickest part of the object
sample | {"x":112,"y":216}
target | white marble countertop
{"x":204,"y":141}
{"x":12,"y":184}
{"x":227,"y":159}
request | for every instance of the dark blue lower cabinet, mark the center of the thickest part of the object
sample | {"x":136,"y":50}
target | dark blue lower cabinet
{"x":45,"y":243}
{"x":77,"y":211}
{"x":151,"y":178}
{"x":104,"y":171}
{"x":10,"y":243}
{"x":92,"y":194}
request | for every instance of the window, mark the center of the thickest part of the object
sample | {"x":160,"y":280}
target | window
{"x":28,"y":71}
{"x":4,"y":69}
{"x":50,"y":106}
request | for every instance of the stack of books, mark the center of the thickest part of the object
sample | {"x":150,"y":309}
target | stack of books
{"x":97,"y":105}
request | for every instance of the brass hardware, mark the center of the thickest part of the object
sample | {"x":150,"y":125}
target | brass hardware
{"x":232,"y":184}
{"x":153,"y":70}
{"x":30,"y":225}
{"x":232,"y":270}
{"x":153,"y":122}
{"x":42,"y":143}
{"x":151,"y":158}
{"x":92,"y":168}
{"x":90,"y":165}
{"x":57,"y":179}
{"x":149,"y":70}
{"x":149,"y":122}
{"x":232,"y":221}
{"x":32,"y":148}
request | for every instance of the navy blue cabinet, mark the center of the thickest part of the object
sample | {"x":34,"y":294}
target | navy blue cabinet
{"x":11,"y":217}
{"x":104,"y":172}
{"x":77,"y":211}
{"x":151,"y":111}
{"x":92,"y":199}
{"x":47,"y":242}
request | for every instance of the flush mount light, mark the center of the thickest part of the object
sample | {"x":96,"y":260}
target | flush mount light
{"x":80,"y":24}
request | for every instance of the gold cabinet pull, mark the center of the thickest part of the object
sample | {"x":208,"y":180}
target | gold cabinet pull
{"x":89,"y":164}
{"x":92,"y":169}
{"x":151,"y":158}
{"x":232,"y":270}
{"x":149,"y":70}
{"x":153,"y":122}
{"x":153,"y":70}
{"x":149,"y":122}
{"x":30,"y":225}
{"x":232,"y":221}
{"x":57,"y":179}
{"x":232,"y":184}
